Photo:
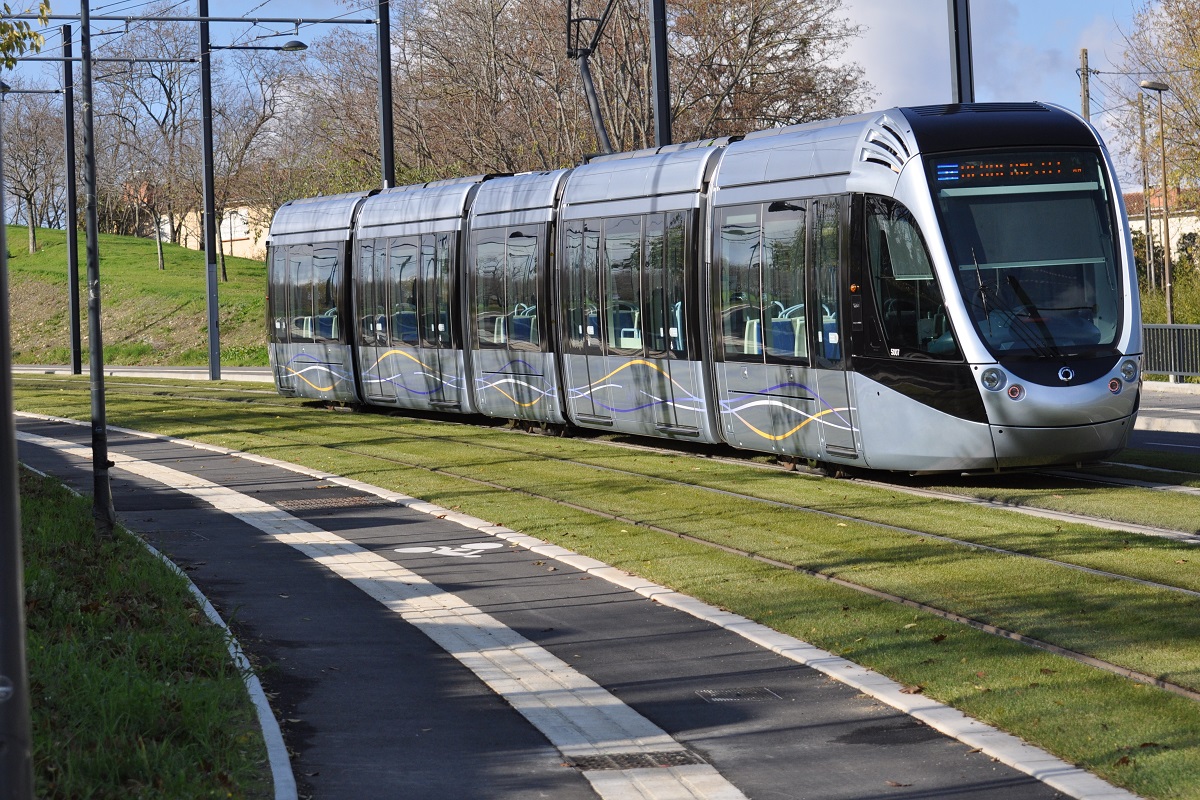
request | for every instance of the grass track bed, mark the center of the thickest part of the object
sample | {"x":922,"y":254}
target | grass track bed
{"x":1136,"y":736}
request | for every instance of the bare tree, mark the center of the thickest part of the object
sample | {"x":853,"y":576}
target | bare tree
{"x":1164,"y":45}
{"x":35,"y":161}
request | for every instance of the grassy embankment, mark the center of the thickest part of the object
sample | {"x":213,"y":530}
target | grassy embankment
{"x":1133,"y":735}
{"x":133,"y":691}
{"x":149,"y":316}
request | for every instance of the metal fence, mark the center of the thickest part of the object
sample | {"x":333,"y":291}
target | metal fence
{"x":1172,"y":350}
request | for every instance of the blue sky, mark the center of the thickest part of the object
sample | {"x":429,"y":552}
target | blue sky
{"x":1026,"y":50}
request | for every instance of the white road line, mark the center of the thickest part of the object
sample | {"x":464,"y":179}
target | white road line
{"x":1004,"y":747}
{"x":576,"y":714}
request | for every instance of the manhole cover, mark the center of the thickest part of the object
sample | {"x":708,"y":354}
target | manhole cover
{"x":756,"y":695}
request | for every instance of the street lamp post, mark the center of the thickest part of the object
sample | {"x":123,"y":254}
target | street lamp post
{"x":1159,"y":87}
{"x":1151,"y":279}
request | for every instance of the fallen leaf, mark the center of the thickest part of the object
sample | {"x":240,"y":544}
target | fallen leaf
{"x":941,"y":637}
{"x":1150,"y":744}
{"x":980,"y":674}
{"x":910,"y":625}
{"x":1124,"y":761}
{"x":893,"y":783}
{"x":912,"y":690}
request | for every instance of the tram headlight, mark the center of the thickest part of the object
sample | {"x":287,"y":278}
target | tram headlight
{"x":1129,"y":371}
{"x":993,"y":379}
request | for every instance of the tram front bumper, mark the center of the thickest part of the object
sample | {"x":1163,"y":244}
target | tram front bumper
{"x":1035,"y":447}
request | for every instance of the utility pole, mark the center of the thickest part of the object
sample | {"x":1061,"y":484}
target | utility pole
{"x":1085,"y":95}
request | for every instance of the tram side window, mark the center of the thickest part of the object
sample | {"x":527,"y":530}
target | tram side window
{"x":739,"y":263}
{"x":490,"y":297}
{"x":521,"y":262}
{"x":658,"y":316}
{"x":277,"y":314}
{"x":826,"y":268}
{"x":372,"y":325}
{"x":623,"y":296}
{"x":674,"y":269}
{"x":402,"y":280}
{"x":300,"y":293}
{"x":327,"y":289}
{"x":783,"y":327}
{"x":908,"y":297}
{"x":581,"y":259}
{"x":435,"y":290}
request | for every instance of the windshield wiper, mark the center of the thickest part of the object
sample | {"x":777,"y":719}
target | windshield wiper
{"x":987,"y":315}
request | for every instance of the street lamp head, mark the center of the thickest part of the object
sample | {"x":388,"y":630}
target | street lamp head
{"x":1155,"y":86}
{"x":293,"y":46}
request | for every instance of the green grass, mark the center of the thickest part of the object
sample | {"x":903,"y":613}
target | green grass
{"x":1136,"y":736}
{"x":149,"y":316}
{"x":133,"y":692}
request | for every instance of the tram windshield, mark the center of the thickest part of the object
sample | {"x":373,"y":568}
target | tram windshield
{"x":1030,"y":235}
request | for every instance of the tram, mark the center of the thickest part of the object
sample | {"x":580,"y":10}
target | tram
{"x":920,"y":289}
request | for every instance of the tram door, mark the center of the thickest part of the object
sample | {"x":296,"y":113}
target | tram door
{"x":373,"y":320}
{"x":434,"y":299}
{"x":830,"y":355}
{"x":584,"y":360}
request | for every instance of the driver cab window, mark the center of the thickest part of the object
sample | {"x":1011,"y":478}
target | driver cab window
{"x":911,"y":310}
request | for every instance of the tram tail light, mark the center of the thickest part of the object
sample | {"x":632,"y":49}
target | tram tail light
{"x":1016,"y":391}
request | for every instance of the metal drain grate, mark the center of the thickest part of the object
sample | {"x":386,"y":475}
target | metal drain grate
{"x":669,"y":758}
{"x":737,"y":695}
{"x":320,"y":503}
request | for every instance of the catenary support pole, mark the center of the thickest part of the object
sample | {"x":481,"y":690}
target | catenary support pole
{"x":387,"y":158}
{"x":102,"y":507}
{"x":962,"y":77}
{"x":16,"y":744}
{"x":210,"y":203}
{"x":660,"y":73}
{"x":72,"y":203}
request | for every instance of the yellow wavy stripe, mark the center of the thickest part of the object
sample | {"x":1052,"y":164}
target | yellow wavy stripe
{"x":515,"y":400}
{"x":643,"y":362}
{"x":404,"y":353}
{"x":782,"y":436}
{"x":310,"y":383}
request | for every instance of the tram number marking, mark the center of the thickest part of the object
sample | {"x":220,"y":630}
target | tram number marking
{"x":469,"y":550}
